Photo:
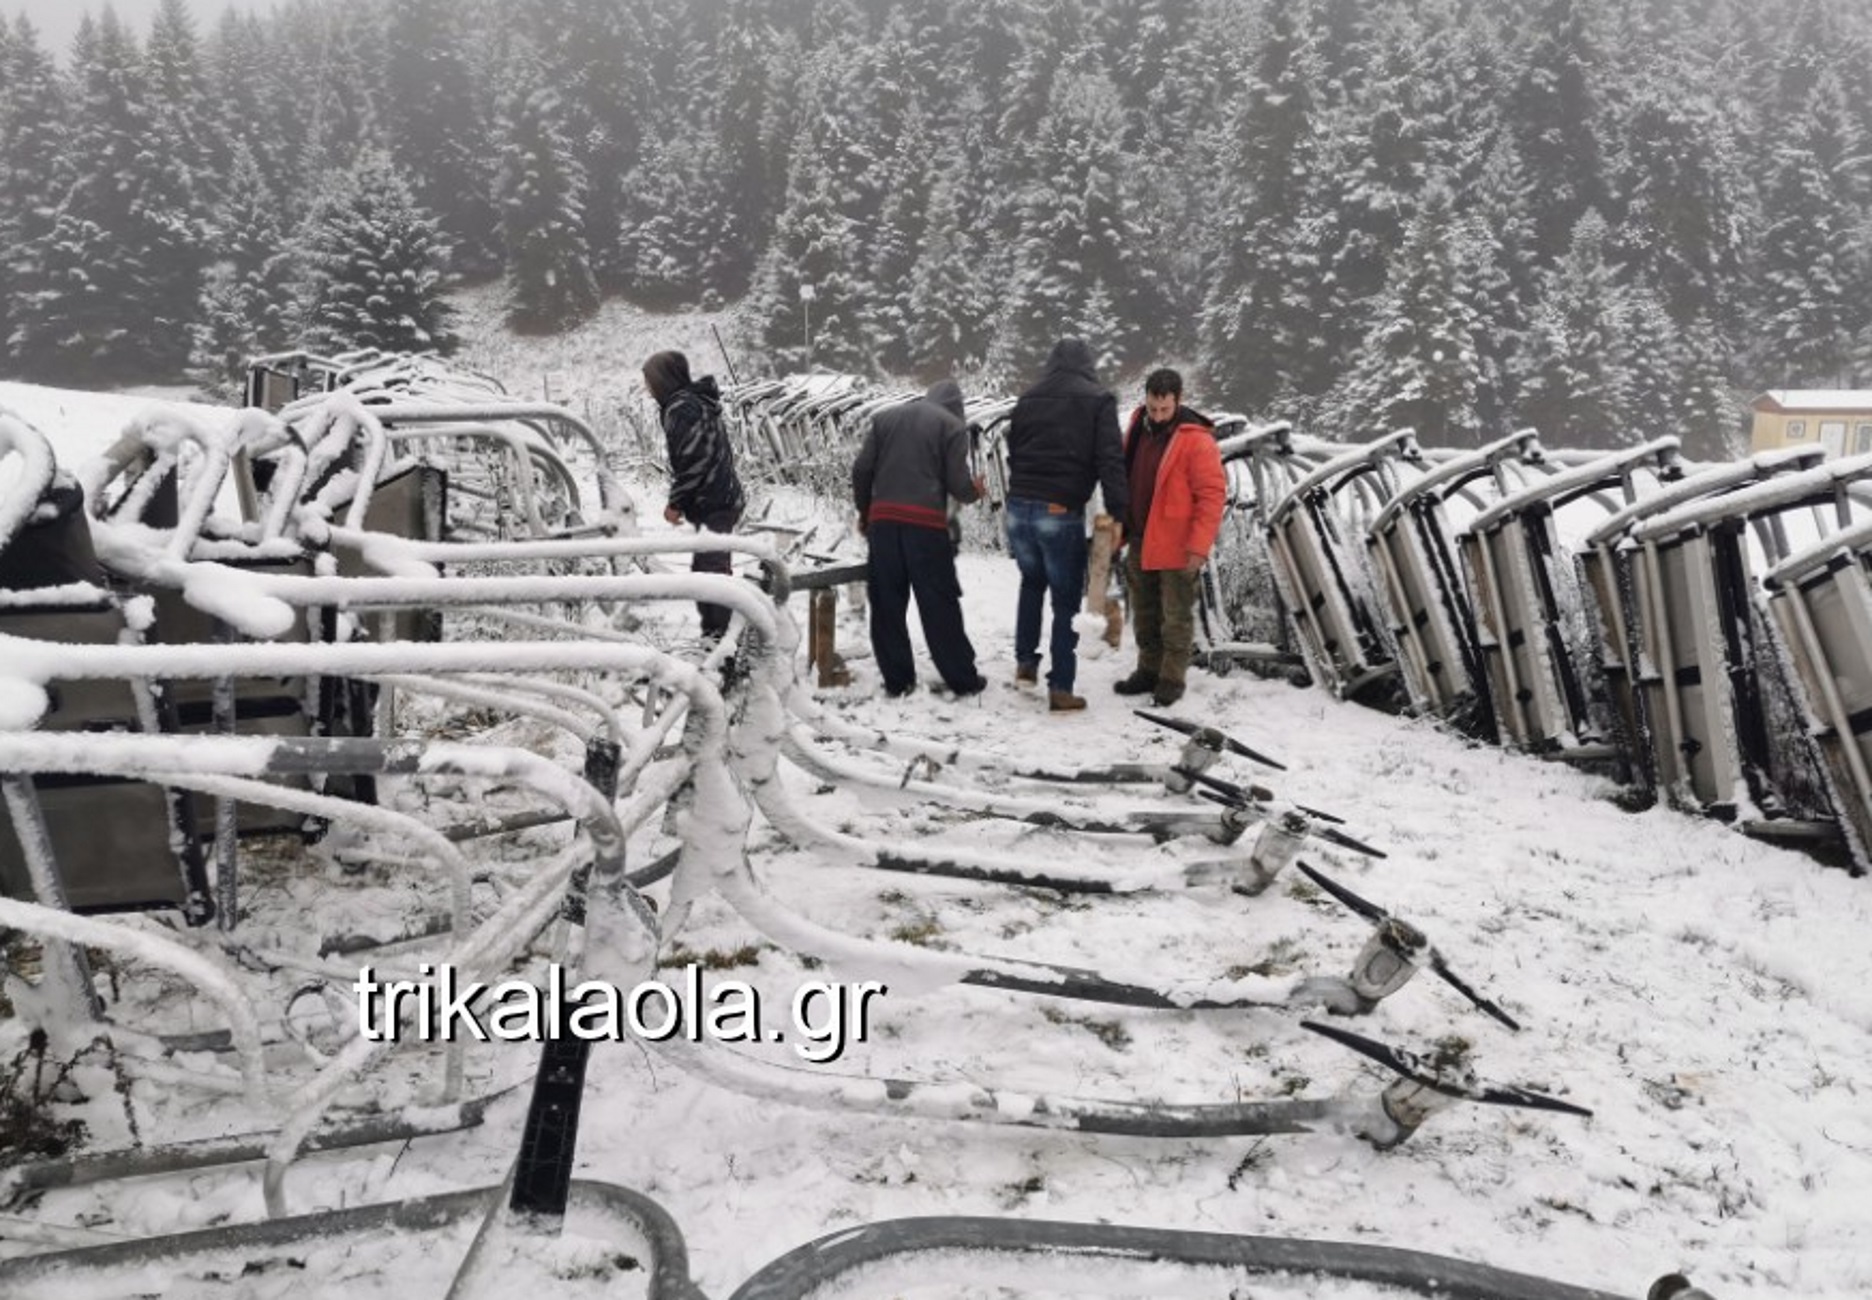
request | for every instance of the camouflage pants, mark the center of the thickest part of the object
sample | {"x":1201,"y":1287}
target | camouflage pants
{"x":1163,"y":617}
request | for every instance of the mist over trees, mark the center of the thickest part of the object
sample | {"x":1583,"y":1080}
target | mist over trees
{"x":1604,"y":218}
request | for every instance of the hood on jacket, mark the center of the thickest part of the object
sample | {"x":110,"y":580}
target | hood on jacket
{"x":947,"y":393}
{"x":666,"y":374}
{"x":1073,"y":355}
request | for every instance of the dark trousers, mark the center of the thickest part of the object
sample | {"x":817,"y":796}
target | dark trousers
{"x":1163,"y":617}
{"x":715,"y":617}
{"x":908,"y":560}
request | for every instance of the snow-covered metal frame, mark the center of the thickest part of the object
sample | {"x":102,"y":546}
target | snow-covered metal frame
{"x":1113,"y":1259}
{"x":1715,"y":692}
{"x":1324,"y":577}
{"x":1605,"y":561}
{"x":1821,"y":600}
{"x":1530,"y":612}
{"x":1433,"y":621}
{"x":1240,"y":616}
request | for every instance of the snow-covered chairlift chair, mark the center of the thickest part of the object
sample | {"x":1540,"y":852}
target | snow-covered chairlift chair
{"x":1605,"y":563}
{"x":1531,"y":614}
{"x":154,"y":498}
{"x":1323,"y":574}
{"x":1821,"y":599}
{"x":1726,"y":734}
{"x":122,"y":844}
{"x":1433,"y":618}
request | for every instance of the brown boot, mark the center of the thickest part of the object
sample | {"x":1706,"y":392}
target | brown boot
{"x":1167,"y":693}
{"x":1064,"y":702}
{"x":1027,"y":674}
{"x":1140,"y":681}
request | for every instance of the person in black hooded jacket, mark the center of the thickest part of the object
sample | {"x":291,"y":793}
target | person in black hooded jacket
{"x":1062,"y":441}
{"x":704,"y":488}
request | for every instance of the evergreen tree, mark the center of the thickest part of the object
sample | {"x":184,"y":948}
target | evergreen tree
{"x":440,"y":138}
{"x":1422,"y":366}
{"x":324,"y":53}
{"x":550,"y":284}
{"x":1254,"y":327}
{"x":1574,"y":388}
{"x":32,"y":130}
{"x":247,"y":293}
{"x":1684,"y":228}
{"x":948,"y":299}
{"x":373,"y":266}
{"x":107,"y":291}
{"x":1554,"y":108}
{"x":1074,"y":261}
{"x":1811,"y":277}
{"x":180,"y":117}
{"x":595,"y":55}
{"x":244,"y":107}
{"x":808,"y":296}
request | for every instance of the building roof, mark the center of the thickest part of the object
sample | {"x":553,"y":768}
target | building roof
{"x":1815,"y":399}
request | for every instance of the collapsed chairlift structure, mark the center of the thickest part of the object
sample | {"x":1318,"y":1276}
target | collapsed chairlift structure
{"x":305,"y":510}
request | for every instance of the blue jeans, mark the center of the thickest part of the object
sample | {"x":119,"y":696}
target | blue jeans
{"x":1049,"y":545}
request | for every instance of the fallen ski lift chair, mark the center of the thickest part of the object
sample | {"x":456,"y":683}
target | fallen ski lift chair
{"x":1323,"y":576}
{"x":1822,"y":603}
{"x":1432,"y":618}
{"x":1531,"y":615}
{"x":1238,"y":596}
{"x":1607,"y":570}
{"x":477,"y":951}
{"x":279,"y":379}
{"x":143,"y":853}
{"x":166,"y":474}
{"x":1726,"y":734}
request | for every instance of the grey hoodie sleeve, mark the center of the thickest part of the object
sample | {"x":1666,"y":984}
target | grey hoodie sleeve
{"x":956,"y":478}
{"x":1108,"y":458}
{"x":864,"y":470}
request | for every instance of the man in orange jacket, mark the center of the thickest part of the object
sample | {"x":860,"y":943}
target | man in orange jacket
{"x":1177,"y":492}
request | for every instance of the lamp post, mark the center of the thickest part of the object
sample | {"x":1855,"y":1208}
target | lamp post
{"x":806,"y":297}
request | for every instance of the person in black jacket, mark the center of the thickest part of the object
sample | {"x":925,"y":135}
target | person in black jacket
{"x":703,"y":486}
{"x":1062,"y":441}
{"x":914,"y":458}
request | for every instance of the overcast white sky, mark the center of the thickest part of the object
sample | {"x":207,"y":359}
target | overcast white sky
{"x":57,"y":20}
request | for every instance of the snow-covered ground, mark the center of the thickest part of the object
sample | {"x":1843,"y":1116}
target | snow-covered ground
{"x":1707,"y":997}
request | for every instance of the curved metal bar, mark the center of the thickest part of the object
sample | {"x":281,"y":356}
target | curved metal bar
{"x":774,"y":569}
{"x":612,"y":497}
{"x":1401,"y":444}
{"x":828,"y":1262}
{"x":38,"y":468}
{"x":52,"y":923}
{"x":1447,"y":478}
{"x":1579,"y":480}
{"x":1782,"y":492}
{"x":1707,"y":483}
{"x":652,"y":1224}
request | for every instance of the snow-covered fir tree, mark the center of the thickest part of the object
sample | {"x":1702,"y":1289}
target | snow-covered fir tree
{"x":106,"y":292}
{"x":247,"y":295}
{"x":373,"y":265}
{"x":1421,"y":365}
{"x":550,"y":285}
{"x":32,"y":132}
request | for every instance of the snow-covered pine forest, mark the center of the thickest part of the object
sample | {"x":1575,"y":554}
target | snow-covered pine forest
{"x":1609,"y":219}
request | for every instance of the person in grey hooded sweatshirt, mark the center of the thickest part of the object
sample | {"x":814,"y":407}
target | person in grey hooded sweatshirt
{"x":914,"y":458}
